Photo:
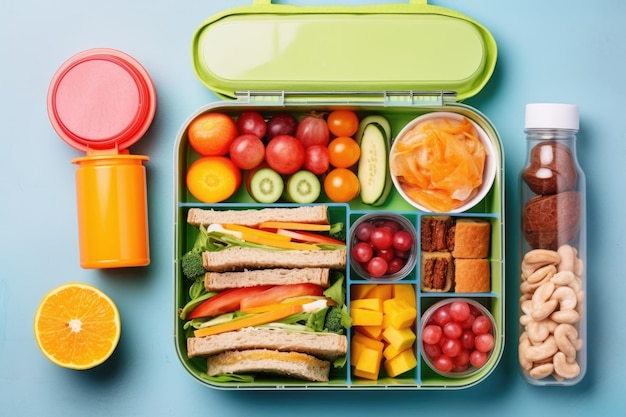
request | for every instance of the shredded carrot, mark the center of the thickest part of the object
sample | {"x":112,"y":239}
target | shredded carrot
{"x":295,"y":226}
{"x":249,"y":321}
{"x":440,"y":163}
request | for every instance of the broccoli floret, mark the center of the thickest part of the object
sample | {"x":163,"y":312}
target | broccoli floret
{"x":333,"y":320}
{"x":337,"y":231}
{"x":191,"y":263}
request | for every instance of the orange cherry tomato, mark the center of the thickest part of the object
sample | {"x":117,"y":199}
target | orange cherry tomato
{"x":343,"y":152}
{"x":210,"y":134}
{"x":341,"y":185}
{"x":343,"y":122}
{"x":212,"y":179}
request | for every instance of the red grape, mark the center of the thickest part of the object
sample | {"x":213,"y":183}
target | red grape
{"x":381,"y":238}
{"x":459,"y":310}
{"x":484,"y":342}
{"x":431,"y":334}
{"x":377,"y":266}
{"x":481,"y":325}
{"x":362,"y":252}
{"x":478,"y":358}
{"x":452,"y":329}
{"x":443,"y":363}
{"x":402,"y":240}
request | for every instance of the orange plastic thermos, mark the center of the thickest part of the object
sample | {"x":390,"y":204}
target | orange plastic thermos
{"x":101,"y":101}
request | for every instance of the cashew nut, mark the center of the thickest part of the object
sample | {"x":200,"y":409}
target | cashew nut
{"x":537,"y":258}
{"x":563,"y":278}
{"x":564,"y":368}
{"x":542,"y":273}
{"x":538,"y":331}
{"x":542,"y":371}
{"x":568,"y":256}
{"x":566,"y":337}
{"x":566,"y":297}
{"x":565,"y":316}
{"x":542,"y":305}
{"x":524,"y":362}
{"x":543,"y":351}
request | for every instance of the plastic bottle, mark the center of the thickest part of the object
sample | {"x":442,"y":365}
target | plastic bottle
{"x":552,"y":319}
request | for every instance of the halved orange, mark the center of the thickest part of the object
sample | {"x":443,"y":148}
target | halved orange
{"x":77,"y":326}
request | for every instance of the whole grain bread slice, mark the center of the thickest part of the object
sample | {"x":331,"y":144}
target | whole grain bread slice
{"x":317,"y":214}
{"x":218,"y":281}
{"x":239,"y":258}
{"x":293,"y":364}
{"x":327,"y":346}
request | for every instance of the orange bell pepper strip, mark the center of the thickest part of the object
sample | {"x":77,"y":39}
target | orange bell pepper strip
{"x":255,"y":320}
{"x":295,"y":226}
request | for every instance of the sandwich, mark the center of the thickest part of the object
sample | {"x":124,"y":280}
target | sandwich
{"x":267,"y":293}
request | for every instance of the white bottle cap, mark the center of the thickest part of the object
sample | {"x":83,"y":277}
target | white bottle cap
{"x":552,"y":116}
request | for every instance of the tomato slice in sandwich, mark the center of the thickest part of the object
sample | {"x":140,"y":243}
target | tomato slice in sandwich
{"x":278,"y":293}
{"x":226,"y":301}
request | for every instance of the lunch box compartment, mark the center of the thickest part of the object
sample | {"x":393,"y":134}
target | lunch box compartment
{"x":373,"y":90}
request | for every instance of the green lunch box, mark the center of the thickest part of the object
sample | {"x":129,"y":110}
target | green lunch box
{"x":395,"y":60}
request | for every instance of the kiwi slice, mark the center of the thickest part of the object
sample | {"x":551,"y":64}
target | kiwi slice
{"x":303,"y":187}
{"x":266,"y":186}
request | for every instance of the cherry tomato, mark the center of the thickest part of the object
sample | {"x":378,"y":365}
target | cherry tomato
{"x":381,"y":238}
{"x":212,"y":179}
{"x":402,"y":240}
{"x":253,"y":123}
{"x":210,"y":134}
{"x":377,"y":266}
{"x":341,"y":185}
{"x":459,"y":310}
{"x":284,"y":154}
{"x":362,"y":252}
{"x":282,"y":124}
{"x":431,"y":334}
{"x":343,"y":122}
{"x":313,"y":130}
{"x":316,"y":159}
{"x":344,"y":152}
{"x":247,"y":151}
{"x":481,"y":325}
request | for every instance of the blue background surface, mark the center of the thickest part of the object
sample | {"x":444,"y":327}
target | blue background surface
{"x":564,"y":51}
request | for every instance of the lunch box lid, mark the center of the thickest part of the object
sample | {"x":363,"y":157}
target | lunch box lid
{"x":101,"y":101}
{"x":411,"y":46}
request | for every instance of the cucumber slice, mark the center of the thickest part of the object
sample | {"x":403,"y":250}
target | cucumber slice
{"x":378,"y":119}
{"x":266,"y":186}
{"x":303,"y":187}
{"x":373,"y":169}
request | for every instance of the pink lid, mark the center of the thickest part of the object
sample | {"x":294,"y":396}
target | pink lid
{"x":101,"y":99}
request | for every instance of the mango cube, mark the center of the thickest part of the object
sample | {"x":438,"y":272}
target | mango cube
{"x":375,"y":332}
{"x":401,"y":339}
{"x":406,"y":293}
{"x":399,"y":313}
{"x":363,"y":317}
{"x":401,"y":363}
{"x":382,"y":291}
{"x":360,"y":291}
{"x":375,"y":304}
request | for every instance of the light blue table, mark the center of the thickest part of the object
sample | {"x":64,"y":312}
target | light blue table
{"x":570,"y":51}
